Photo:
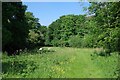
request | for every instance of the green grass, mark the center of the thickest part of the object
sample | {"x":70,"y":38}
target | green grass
{"x":61,"y":62}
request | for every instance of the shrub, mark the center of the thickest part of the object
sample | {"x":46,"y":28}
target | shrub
{"x":88,"y":41}
{"x":102,"y":52}
{"x":75,"y":41}
{"x":55,"y":42}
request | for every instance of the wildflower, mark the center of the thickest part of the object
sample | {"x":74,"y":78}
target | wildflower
{"x":41,"y":49}
{"x":20,"y":50}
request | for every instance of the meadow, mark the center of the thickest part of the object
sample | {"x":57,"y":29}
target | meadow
{"x":60,"y":62}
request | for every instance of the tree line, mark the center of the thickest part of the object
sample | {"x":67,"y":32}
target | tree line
{"x":20,"y":29}
{"x":100,"y":27}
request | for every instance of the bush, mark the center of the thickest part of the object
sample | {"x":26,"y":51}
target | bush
{"x":88,"y":41}
{"x":75,"y":41}
{"x":19,"y":67}
{"x":102,"y":52}
{"x":55,"y":42}
{"x":109,"y":39}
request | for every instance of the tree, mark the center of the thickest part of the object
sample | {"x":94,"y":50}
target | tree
{"x":59,"y":31}
{"x":15,"y":28}
{"x":108,"y":19}
{"x":37,"y":32}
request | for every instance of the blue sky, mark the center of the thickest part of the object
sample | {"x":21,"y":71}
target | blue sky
{"x":47,"y":12}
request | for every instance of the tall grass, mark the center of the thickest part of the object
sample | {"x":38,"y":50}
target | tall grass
{"x":59,"y":62}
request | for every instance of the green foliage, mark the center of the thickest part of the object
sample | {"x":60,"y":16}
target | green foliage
{"x":102,"y":53}
{"x":63,"y":63}
{"x":7,"y":37}
{"x":56,"y":42}
{"x":88,"y":41}
{"x":107,"y":19}
{"x":32,"y":21}
{"x":18,"y":67}
{"x":75,"y":41}
{"x":20,"y":27}
{"x":107,"y":61}
{"x":33,"y":37}
{"x":98,"y":29}
{"x":59,"y":31}
{"x":109,"y":39}
{"x":37,"y":32}
{"x":15,"y":28}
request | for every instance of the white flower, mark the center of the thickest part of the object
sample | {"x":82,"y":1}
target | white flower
{"x":41,"y":49}
{"x":20,"y":50}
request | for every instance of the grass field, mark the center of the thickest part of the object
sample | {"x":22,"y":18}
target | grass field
{"x":60,"y":62}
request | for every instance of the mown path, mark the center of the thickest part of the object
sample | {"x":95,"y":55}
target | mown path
{"x":82,"y":66}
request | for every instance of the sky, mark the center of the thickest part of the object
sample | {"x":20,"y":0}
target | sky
{"x":47,"y":12}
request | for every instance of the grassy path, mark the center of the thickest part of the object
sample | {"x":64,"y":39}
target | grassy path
{"x":64,"y":62}
{"x":82,"y":66}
